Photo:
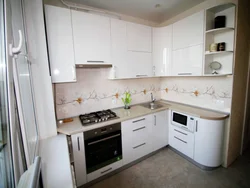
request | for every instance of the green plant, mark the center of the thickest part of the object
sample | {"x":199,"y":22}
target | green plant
{"x":127,"y":99}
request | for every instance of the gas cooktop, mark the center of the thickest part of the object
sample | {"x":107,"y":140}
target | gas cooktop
{"x":97,"y":117}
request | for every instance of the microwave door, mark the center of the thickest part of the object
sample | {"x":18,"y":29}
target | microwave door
{"x":180,"y":119}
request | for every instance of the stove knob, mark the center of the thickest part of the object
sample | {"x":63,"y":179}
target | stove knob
{"x":95,"y":132}
{"x":111,"y":128}
{"x":96,"y":120}
{"x":100,"y":120}
{"x":106,"y":118}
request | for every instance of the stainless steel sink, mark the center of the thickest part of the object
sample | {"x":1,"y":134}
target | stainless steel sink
{"x":152,"y":107}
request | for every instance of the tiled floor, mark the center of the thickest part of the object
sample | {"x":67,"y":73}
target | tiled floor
{"x":167,"y":169}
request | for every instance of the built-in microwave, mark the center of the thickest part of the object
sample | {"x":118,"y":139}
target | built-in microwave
{"x":184,"y":121}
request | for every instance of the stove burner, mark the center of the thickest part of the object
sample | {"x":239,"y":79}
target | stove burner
{"x":96,"y":117}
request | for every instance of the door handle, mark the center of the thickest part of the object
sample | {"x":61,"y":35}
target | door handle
{"x":185,"y":73}
{"x":106,"y":170}
{"x":78,"y":143}
{"x":139,"y":145}
{"x":16,"y":50}
{"x":155,"y":119}
{"x":196,"y":126}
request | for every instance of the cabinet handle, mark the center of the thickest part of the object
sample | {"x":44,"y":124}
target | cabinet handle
{"x":139,"y":145}
{"x":196,"y":126}
{"x":95,"y":61}
{"x":185,"y":73}
{"x":106,"y":170}
{"x":141,"y":75}
{"x":74,"y":72}
{"x":155,"y":119}
{"x":139,"y":129}
{"x":180,"y":132}
{"x":78,"y":143}
{"x":139,"y":120}
{"x":180,"y":139}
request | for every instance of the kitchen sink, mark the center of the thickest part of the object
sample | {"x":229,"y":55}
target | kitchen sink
{"x":152,"y":107}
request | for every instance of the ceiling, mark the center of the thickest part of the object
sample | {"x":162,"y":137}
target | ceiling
{"x":144,"y":9}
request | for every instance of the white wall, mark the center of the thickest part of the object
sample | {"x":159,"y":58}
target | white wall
{"x":37,"y":50}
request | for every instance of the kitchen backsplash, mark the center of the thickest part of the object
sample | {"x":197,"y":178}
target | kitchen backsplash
{"x":208,"y":92}
{"x":93,"y":92}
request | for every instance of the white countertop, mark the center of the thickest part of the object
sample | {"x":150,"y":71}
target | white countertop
{"x":138,"y":111}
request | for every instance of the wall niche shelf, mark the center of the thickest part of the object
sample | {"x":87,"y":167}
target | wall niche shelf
{"x":219,"y":30}
{"x":218,"y":35}
{"x":219,"y":52}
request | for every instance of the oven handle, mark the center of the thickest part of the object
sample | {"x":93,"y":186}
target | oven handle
{"x":101,"y":140}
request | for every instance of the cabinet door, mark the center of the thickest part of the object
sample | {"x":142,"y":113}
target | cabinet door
{"x":162,"y":50}
{"x":209,"y":142}
{"x":140,"y":64}
{"x":187,"y":61}
{"x":160,"y":130}
{"x":60,"y":44}
{"x":91,"y":38}
{"x":79,"y":158}
{"x":123,"y":68}
{"x":188,"y":31}
{"x":139,"y":37}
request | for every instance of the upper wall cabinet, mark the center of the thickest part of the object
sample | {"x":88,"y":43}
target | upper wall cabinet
{"x":162,"y":51}
{"x":60,"y":44}
{"x":139,"y":37}
{"x":189,"y":31}
{"x":130,"y":63}
{"x":91,"y":34}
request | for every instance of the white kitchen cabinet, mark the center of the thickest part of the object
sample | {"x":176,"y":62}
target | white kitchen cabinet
{"x":162,"y":50}
{"x":127,"y":64}
{"x":189,"y":31}
{"x":209,"y":136}
{"x":188,"y":61}
{"x":91,"y":34}
{"x":181,"y":140}
{"x":119,"y":54}
{"x":79,"y":158}
{"x":139,"y":37}
{"x":160,"y":130}
{"x":140,"y":64}
{"x":136,"y":141}
{"x":60,"y":44}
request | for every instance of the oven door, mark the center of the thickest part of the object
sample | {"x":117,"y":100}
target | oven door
{"x":103,"y":150}
{"x":179,"y":119}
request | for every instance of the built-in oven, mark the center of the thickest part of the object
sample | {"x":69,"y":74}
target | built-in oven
{"x":103,"y":146}
{"x":184,"y":121}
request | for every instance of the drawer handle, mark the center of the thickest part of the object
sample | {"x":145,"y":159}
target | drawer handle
{"x":141,"y":75}
{"x":106,"y":170}
{"x":185,"y":73}
{"x":139,"y":145}
{"x":139,"y":120}
{"x":180,"y":132}
{"x":139,"y":129}
{"x":95,"y":61}
{"x":180,"y":140}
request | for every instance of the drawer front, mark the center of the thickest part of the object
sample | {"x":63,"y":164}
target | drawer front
{"x":182,"y":141}
{"x":141,"y":150}
{"x":103,"y":171}
{"x":130,"y":126}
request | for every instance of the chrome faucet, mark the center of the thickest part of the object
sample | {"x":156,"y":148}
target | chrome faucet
{"x":152,"y":98}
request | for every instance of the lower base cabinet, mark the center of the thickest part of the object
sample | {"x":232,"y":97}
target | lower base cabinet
{"x":204,"y":145}
{"x":140,"y":137}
